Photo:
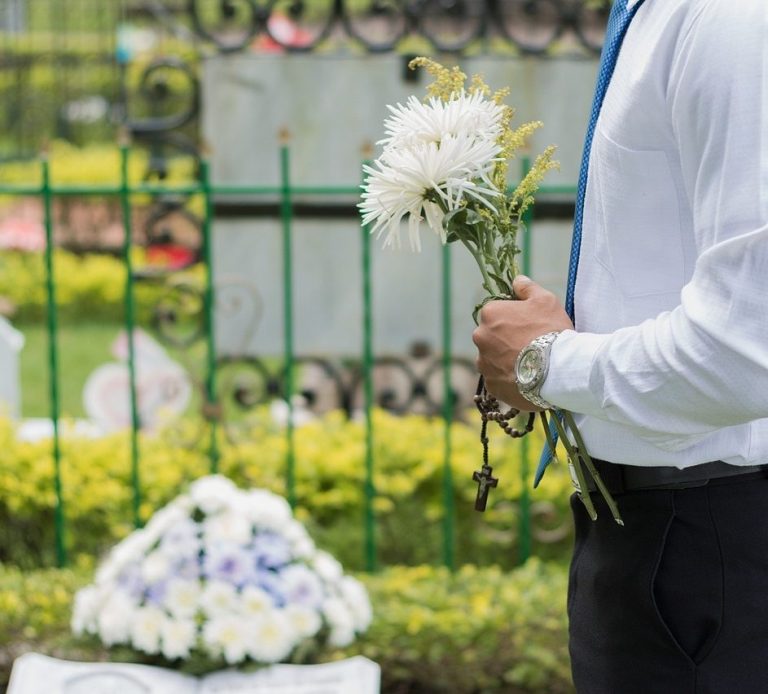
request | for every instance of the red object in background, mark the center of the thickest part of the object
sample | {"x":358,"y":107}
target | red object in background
{"x":286,"y":31}
{"x":170,"y":256}
{"x":22,"y":234}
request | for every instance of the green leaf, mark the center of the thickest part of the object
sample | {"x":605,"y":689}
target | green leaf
{"x":463,"y":224}
{"x":502,"y":283}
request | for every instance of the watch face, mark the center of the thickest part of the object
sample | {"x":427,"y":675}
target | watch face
{"x":529,"y":368}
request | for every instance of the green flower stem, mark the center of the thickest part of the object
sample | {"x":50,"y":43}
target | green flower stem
{"x":582,"y":452}
{"x":575,"y":461}
{"x":488,"y":283}
{"x":490,"y":255}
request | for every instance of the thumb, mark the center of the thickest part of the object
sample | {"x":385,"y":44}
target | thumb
{"x":524,"y":287}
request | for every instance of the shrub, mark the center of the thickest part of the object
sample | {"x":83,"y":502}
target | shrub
{"x":330,"y":479}
{"x":476,"y":630}
{"x":89,"y":287}
{"x":94,"y":164}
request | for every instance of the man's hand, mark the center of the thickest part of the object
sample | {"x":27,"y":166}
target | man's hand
{"x":508,"y":326}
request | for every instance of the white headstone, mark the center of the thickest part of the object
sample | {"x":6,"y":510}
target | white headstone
{"x":34,"y":673}
{"x":11,"y":343}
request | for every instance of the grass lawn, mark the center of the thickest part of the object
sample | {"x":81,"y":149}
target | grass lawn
{"x":82,"y":348}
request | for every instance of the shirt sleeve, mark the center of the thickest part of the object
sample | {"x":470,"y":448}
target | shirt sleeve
{"x":704,"y":365}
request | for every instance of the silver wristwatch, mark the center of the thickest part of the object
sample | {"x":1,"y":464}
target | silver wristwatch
{"x":531,"y":368}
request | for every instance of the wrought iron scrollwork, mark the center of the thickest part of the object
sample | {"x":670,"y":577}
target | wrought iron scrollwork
{"x":169,"y":94}
{"x":451,"y":25}
{"x":178,"y":319}
{"x":531,"y":26}
{"x":378,"y":24}
{"x":229,"y":24}
{"x":549,"y":523}
{"x":320,"y":385}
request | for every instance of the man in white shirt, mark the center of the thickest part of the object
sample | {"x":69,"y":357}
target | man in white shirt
{"x":667,"y":368}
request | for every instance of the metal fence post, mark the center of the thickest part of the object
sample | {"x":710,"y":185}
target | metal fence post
{"x":286,"y":213}
{"x":525,"y":495}
{"x":125,"y":204}
{"x":449,"y":512}
{"x":370,"y":489}
{"x":53,"y":363}
{"x":211,"y":408}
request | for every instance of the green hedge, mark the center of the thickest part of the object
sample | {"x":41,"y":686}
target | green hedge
{"x":96,"y":164}
{"x":88,"y":288}
{"x":330,"y":478}
{"x":478,"y":630}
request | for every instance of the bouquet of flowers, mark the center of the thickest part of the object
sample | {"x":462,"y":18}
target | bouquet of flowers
{"x":222,"y":574}
{"x":445,"y":162}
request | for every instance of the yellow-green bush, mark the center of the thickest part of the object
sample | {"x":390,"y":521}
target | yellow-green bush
{"x":97,"y":164}
{"x":478,"y":630}
{"x":89,"y":287}
{"x":330,"y":479}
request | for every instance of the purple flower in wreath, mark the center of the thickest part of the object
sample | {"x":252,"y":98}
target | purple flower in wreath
{"x":130,"y":581}
{"x":301,"y":586}
{"x":228,"y":563}
{"x":270,"y":551}
{"x":156,"y":593}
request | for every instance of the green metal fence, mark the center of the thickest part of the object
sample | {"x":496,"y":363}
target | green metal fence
{"x":124,"y":191}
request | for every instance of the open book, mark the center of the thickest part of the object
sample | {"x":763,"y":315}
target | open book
{"x":34,"y":673}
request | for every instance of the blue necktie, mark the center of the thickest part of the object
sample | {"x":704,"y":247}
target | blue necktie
{"x":618,"y":23}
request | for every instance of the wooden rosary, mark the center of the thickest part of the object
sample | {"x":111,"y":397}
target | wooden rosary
{"x":490,"y":411}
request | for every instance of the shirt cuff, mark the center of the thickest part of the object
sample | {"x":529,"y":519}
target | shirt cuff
{"x":567,"y":385}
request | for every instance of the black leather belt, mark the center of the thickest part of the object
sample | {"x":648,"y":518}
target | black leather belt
{"x":628,"y":478}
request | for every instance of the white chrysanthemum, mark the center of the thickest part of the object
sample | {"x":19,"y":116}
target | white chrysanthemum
{"x":255,"y":601}
{"x":265,"y":509}
{"x":327,"y":567}
{"x":219,"y":598}
{"x":131,"y":549}
{"x":342,"y":634}
{"x":213,"y":493}
{"x":227,"y":526}
{"x":146,"y":628}
{"x":230,"y":526}
{"x":339,"y":618}
{"x":356,"y":596}
{"x":164,"y":519}
{"x":455,"y":171}
{"x":178,"y":637}
{"x":230,"y":636}
{"x":419,"y":122}
{"x":182,"y":597}
{"x":305,"y":621}
{"x":115,"y":617}
{"x":85,"y":611}
{"x":155,"y":567}
{"x":301,"y":543}
{"x":273,"y":637}
{"x":181,"y":539}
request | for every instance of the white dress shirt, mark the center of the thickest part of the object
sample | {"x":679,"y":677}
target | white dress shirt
{"x":669,"y":364}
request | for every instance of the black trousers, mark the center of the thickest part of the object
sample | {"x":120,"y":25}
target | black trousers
{"x":675,"y":602}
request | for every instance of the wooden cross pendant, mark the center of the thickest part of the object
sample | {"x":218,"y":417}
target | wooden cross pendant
{"x":485,"y":481}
